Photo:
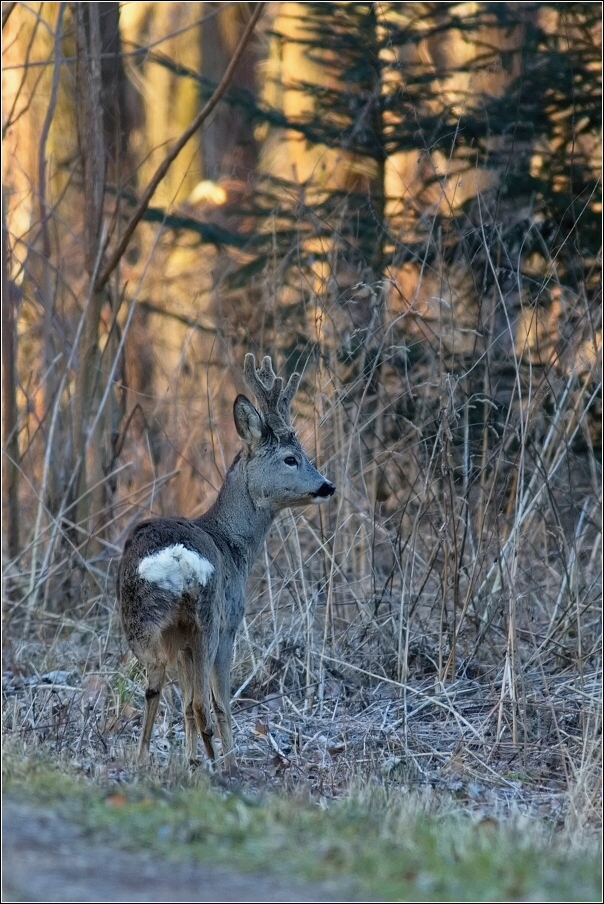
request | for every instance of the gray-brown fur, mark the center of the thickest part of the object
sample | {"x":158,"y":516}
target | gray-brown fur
{"x":181,"y":584}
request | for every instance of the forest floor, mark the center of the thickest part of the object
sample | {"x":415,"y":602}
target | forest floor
{"x":366,"y":793}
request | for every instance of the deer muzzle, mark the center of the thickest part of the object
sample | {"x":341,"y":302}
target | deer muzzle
{"x":325,"y":491}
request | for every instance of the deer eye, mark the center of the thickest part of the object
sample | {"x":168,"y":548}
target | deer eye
{"x":290,"y":460}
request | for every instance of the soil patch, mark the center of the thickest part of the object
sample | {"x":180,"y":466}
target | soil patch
{"x":47,"y":858}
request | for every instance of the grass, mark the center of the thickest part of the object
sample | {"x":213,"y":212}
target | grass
{"x":384,"y":843}
{"x":417,"y":684}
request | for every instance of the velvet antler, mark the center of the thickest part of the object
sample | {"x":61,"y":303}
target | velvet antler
{"x":273,"y":400}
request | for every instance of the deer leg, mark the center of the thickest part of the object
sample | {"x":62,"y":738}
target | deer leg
{"x":185,"y":674}
{"x":201,"y":696}
{"x":221,"y":698}
{"x":155,"y":679}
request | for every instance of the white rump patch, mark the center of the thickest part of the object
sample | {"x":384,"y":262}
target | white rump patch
{"x":176,"y":568}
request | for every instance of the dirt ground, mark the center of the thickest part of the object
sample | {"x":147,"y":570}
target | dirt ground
{"x":46,"y":858}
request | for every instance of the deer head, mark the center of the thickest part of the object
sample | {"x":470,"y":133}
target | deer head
{"x":279,"y":470}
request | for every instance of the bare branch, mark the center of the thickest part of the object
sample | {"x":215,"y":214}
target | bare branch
{"x":175,"y":150}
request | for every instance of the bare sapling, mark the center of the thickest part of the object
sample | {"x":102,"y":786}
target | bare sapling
{"x":181,"y":584}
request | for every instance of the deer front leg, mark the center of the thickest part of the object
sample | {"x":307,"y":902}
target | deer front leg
{"x":185,"y":674}
{"x":221,"y":697}
{"x":155,"y":680}
{"x":201,"y":697}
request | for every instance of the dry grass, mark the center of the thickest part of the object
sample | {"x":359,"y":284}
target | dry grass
{"x":438,"y":625}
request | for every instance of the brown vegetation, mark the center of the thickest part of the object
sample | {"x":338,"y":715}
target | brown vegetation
{"x":441,"y":622}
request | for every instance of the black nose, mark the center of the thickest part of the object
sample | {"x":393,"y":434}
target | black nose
{"x":326,"y":490}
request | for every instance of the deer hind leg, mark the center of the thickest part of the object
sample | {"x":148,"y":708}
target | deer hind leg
{"x":185,"y":674}
{"x":155,"y":680}
{"x":221,"y":698}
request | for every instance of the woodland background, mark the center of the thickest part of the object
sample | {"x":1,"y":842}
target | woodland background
{"x":403,"y":201}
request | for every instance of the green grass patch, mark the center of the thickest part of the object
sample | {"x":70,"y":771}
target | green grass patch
{"x":391,"y":845}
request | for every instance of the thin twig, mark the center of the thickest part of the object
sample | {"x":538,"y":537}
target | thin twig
{"x":175,"y":150}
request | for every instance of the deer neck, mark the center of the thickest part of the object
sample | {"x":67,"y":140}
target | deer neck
{"x":236,"y":520}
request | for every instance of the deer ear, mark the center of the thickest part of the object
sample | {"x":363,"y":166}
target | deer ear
{"x":248,"y":422}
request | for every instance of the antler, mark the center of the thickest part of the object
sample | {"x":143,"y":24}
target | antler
{"x":273,"y":400}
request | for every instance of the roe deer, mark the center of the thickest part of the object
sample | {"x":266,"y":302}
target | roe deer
{"x":181,"y":584}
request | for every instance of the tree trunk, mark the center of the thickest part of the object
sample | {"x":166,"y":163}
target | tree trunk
{"x":10,"y":439}
{"x":88,"y":449}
